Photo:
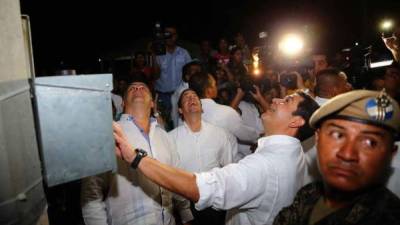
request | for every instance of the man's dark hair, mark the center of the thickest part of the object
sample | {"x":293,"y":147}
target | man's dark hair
{"x":198,"y":82}
{"x":305,"y":109}
{"x":320,"y":88}
{"x":138,"y":80}
{"x":186,"y":67}
{"x":180,"y":100}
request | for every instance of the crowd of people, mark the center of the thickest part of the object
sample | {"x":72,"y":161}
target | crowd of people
{"x":207,"y":141}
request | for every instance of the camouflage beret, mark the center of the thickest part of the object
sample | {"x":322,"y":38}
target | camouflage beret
{"x":372,"y":107}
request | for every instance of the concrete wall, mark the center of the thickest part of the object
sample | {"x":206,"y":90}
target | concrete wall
{"x":12,"y":54}
{"x":21,"y":190}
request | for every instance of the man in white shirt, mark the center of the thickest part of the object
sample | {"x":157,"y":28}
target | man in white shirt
{"x":201,"y":146}
{"x":244,"y":103}
{"x":220,"y":115}
{"x":261,"y":184}
{"x":187,"y":71}
{"x":329,"y":83}
{"x":128,"y":197}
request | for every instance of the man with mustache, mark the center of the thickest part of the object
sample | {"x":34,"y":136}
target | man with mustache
{"x":355,"y":136}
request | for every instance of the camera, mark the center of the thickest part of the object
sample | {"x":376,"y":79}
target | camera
{"x":288,"y":80}
{"x":159,"y":37}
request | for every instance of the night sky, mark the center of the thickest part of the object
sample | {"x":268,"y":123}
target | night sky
{"x":78,"y":32}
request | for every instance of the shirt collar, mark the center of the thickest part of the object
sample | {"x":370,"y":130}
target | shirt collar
{"x":207,"y":101}
{"x":131,"y":118}
{"x":277,"y":139}
{"x":187,"y":128}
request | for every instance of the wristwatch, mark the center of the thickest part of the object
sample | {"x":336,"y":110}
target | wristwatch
{"x":140,"y":154}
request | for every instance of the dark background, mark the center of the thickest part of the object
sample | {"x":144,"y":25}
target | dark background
{"x":79,"y":32}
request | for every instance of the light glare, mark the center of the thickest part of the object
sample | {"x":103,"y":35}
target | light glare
{"x":387,"y":24}
{"x":291,"y":44}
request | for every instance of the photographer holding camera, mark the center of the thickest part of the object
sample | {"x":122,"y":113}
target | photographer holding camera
{"x":248,"y":97}
{"x":170,"y":66}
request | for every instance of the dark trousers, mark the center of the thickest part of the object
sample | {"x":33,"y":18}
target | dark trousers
{"x":164,"y":107}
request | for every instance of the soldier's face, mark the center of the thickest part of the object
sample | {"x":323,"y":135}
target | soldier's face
{"x":353,"y":156}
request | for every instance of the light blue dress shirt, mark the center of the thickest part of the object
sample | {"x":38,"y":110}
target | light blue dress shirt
{"x":171,"y":69}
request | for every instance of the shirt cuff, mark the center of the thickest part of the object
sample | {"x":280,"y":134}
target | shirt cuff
{"x":206,"y":182}
{"x":186,"y":215}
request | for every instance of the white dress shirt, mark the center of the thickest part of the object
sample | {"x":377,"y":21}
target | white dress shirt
{"x":251,"y":117}
{"x":203,"y":150}
{"x":131,"y":198}
{"x":225,"y":117}
{"x":176,"y":119}
{"x":259,"y":186}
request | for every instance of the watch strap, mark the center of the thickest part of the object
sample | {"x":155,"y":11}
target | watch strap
{"x":140,"y":154}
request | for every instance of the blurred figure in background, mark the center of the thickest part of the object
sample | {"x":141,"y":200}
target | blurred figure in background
{"x":222,"y":55}
{"x":141,"y":70}
{"x":206,"y":56}
{"x":392,"y":81}
{"x":236,"y":67}
{"x":240,"y":42}
{"x":170,"y":66}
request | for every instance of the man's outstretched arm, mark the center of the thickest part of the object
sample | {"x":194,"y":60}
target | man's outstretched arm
{"x":172,"y":179}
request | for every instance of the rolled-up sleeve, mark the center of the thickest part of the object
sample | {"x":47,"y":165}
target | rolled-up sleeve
{"x":235,"y":185}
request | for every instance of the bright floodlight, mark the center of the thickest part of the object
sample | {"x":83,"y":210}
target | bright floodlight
{"x":386,"y":25}
{"x":291,"y":44}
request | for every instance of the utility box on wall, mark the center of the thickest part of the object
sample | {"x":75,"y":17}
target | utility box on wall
{"x":74,"y":126}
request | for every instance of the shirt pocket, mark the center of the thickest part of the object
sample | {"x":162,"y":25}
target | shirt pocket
{"x":180,"y":60}
{"x":209,"y":157}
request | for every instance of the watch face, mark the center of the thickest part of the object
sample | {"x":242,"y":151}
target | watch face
{"x":141,"y":152}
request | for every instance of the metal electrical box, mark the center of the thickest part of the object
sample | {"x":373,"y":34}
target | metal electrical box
{"x":74,"y":123}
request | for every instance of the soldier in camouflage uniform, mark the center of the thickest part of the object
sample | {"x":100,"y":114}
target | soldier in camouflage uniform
{"x":355,"y":137}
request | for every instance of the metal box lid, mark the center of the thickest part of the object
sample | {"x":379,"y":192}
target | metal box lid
{"x":74,"y":122}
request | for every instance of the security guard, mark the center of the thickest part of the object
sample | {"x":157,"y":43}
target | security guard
{"x":355,"y":138}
